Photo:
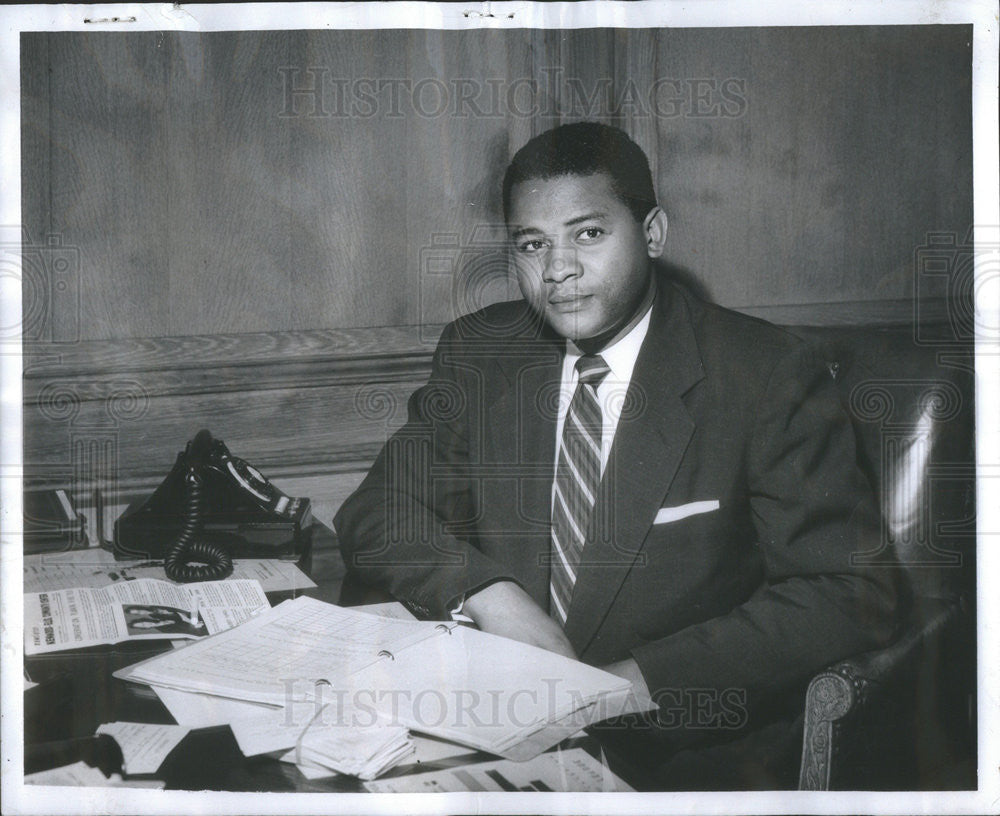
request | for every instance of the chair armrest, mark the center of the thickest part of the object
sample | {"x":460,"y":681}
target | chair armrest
{"x":846,"y":687}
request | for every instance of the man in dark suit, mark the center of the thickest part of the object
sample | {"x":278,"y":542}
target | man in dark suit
{"x":616,"y":471}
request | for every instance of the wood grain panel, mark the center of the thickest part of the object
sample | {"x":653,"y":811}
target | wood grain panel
{"x":635,"y":72}
{"x":35,"y":111}
{"x":823,"y":189}
{"x":703,"y":180}
{"x":117,"y":412}
{"x":229,"y":186}
{"x":589,"y":61}
{"x":197,"y":208}
{"x":456,"y":256}
{"x":348,"y":169}
{"x":269,"y":350}
{"x":107,"y":186}
{"x":198,"y":365}
{"x":293,"y":430}
{"x":516,"y":54}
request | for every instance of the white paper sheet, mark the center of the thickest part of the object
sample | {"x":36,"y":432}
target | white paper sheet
{"x":96,"y":567}
{"x":512,"y":699}
{"x":572,"y":770}
{"x":324,"y":736}
{"x":429,"y":749}
{"x":392,"y":609}
{"x":274,"y":729}
{"x":205,"y":710}
{"x":144,"y":745}
{"x":280,"y":655}
{"x":79,"y":773}
{"x":136,"y":610}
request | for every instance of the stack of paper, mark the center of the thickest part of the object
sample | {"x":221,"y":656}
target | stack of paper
{"x":459,"y":684}
{"x":361,"y":752}
{"x":325,"y":737}
{"x":321,"y":739}
{"x":573,"y":770}
{"x":263,"y":729}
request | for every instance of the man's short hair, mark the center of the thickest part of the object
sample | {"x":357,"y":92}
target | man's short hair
{"x":582,"y":149}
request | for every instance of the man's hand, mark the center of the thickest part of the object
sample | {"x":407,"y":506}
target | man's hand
{"x":504,"y":609}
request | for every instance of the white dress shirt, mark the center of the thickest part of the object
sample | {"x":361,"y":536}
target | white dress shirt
{"x":620,"y":357}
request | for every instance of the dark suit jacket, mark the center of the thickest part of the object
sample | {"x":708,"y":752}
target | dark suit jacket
{"x":752,"y":596}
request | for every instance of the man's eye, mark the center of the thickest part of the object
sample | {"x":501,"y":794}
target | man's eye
{"x":590,"y":234}
{"x":527,"y":247}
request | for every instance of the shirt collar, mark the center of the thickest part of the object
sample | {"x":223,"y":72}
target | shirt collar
{"x":620,"y":355}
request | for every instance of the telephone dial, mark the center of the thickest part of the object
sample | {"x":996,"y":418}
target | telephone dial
{"x":212,"y":507}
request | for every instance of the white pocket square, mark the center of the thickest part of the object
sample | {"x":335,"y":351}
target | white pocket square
{"x":667,"y":514}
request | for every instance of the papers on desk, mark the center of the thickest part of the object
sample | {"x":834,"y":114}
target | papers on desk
{"x":391,"y":609}
{"x":136,"y":610}
{"x":328,"y":737}
{"x":332,"y":741}
{"x":95,"y":567}
{"x":361,"y":752}
{"x":459,"y":684}
{"x":144,"y":745}
{"x":261,"y":729}
{"x":205,"y":710}
{"x":82,"y":775}
{"x":573,"y":770}
{"x":426,"y":750}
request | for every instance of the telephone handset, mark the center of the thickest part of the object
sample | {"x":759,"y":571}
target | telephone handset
{"x":212,"y":506}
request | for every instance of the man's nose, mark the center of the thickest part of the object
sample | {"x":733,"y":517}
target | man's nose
{"x":560,"y":265}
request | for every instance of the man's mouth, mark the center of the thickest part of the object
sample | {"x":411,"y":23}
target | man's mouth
{"x":567,"y":303}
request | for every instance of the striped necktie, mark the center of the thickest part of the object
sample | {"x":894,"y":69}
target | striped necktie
{"x":578,"y":474}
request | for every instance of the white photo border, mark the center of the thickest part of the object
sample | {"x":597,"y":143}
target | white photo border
{"x":501,"y":15}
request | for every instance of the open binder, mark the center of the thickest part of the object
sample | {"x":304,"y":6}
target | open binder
{"x":453,"y":682}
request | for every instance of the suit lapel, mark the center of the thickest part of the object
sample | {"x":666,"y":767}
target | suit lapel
{"x":652,"y":435}
{"x":523,"y":436}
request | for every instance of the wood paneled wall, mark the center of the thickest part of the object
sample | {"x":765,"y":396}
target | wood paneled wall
{"x":232,"y":208}
{"x":114,"y":414}
{"x":798,"y":166}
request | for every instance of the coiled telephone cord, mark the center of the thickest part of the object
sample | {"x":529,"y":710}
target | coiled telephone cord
{"x":214,"y":560}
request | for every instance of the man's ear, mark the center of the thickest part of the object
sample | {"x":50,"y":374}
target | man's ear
{"x":655,"y":226}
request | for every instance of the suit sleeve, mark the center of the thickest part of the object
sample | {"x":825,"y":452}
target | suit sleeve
{"x":812,"y":510}
{"x":395,"y":530}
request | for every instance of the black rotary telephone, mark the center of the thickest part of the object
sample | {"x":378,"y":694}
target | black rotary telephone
{"x":212,"y":507}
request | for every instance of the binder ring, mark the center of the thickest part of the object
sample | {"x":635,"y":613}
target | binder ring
{"x":444,"y":627}
{"x":387,"y":653}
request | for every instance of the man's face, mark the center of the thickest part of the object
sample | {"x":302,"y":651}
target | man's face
{"x":582,"y":260}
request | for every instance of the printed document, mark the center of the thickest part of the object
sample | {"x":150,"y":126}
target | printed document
{"x":144,"y":745}
{"x":95,"y":567}
{"x":466,"y":686}
{"x":136,"y":610}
